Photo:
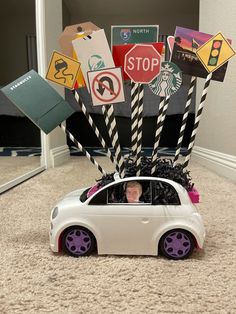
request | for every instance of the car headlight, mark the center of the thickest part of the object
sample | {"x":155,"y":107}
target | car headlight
{"x":55,"y":212}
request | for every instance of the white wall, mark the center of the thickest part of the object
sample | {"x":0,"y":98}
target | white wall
{"x":49,"y":27}
{"x":53,"y":9}
{"x":215,"y":141}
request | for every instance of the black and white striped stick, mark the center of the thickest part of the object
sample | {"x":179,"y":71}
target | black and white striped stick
{"x":140,"y":129}
{"x":163,"y":116}
{"x":134,"y":117}
{"x":185,"y":117}
{"x":95,"y":129}
{"x":197,"y":120}
{"x":157,"y":134}
{"x":80,"y":147}
{"x":110,"y":121}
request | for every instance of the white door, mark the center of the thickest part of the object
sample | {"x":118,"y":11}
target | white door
{"x":126,"y":229}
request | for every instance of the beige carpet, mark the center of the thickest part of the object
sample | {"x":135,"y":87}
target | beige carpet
{"x":34,"y":280}
{"x":13,"y":167}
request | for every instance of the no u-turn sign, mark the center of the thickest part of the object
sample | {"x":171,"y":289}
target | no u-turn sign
{"x":106,"y":86}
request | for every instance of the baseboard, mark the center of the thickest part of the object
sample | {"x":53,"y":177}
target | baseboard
{"x":59,"y":155}
{"x":222,"y":164}
{"x":7,"y":186}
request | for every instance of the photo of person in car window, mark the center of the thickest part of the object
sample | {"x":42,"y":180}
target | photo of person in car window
{"x":133,"y":192}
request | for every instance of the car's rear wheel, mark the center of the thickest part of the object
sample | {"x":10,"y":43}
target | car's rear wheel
{"x":78,"y":241}
{"x":176,"y":244}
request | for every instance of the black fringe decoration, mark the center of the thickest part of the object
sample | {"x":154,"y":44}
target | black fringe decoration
{"x":165,"y":169}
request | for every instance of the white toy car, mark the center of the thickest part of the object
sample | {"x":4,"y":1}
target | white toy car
{"x":164,"y":221}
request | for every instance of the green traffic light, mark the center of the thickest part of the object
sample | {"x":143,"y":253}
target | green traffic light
{"x":212,"y":61}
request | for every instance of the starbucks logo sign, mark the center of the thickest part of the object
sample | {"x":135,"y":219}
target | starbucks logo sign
{"x":168,"y":81}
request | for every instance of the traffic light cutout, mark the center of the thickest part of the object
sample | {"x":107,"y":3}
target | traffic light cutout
{"x":215,"y":52}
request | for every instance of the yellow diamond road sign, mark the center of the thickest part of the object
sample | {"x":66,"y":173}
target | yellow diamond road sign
{"x":63,"y":70}
{"x":215,"y":52}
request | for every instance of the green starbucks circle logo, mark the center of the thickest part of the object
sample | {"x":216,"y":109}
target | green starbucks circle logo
{"x":168,"y":81}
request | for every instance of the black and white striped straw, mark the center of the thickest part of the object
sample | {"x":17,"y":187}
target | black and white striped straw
{"x":110,"y":121}
{"x":80,"y":147}
{"x":161,"y":125}
{"x":134,"y":116}
{"x":140,"y":129}
{"x":197,"y":120}
{"x":184,"y":119}
{"x":164,"y":114}
{"x":95,"y":129}
{"x":157,"y":134}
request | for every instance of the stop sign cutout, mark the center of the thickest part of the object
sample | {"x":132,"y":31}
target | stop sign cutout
{"x":142,"y":63}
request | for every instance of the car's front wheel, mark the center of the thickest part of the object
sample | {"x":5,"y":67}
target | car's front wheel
{"x":78,"y":241}
{"x":176,"y":244}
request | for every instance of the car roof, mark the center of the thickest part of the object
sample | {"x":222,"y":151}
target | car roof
{"x":138,"y":178}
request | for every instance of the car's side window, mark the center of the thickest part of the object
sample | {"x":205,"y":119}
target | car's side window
{"x":100,"y":198}
{"x":115,"y":194}
{"x":164,"y":194}
{"x":130,"y":192}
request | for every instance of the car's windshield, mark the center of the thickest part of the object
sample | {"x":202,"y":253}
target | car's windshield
{"x":83,"y":196}
{"x":89,"y":192}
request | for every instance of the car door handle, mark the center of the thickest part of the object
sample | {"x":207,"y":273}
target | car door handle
{"x":145,"y":220}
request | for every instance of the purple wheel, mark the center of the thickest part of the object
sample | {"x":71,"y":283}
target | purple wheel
{"x":78,"y":241}
{"x":177,"y":244}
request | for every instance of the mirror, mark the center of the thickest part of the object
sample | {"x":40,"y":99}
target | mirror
{"x":20,"y":144}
